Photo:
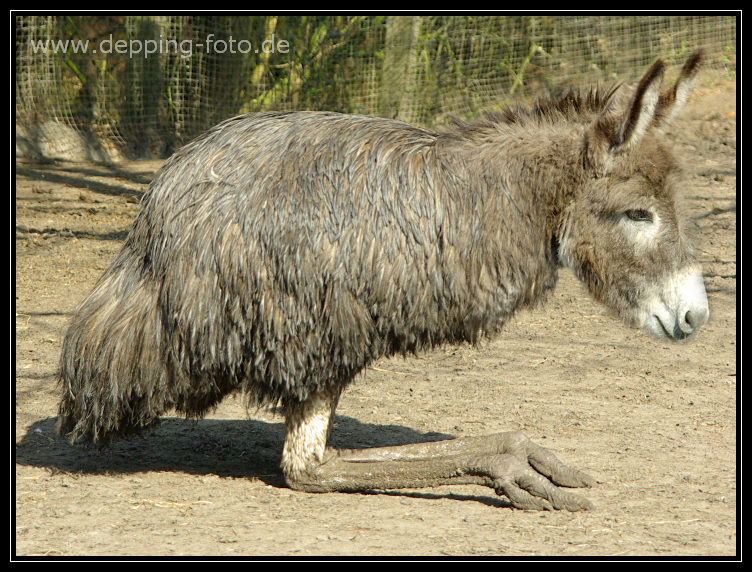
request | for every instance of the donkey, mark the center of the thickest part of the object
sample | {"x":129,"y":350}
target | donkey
{"x":279,"y":254}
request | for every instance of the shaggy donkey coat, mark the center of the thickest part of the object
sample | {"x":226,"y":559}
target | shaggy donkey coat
{"x":280,"y":253}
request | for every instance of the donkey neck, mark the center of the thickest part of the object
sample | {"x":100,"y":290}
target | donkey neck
{"x":530,"y":170}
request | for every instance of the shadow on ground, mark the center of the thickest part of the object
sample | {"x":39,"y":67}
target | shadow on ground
{"x":227,"y":448}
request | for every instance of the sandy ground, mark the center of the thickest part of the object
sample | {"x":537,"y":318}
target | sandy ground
{"x":654,"y":422}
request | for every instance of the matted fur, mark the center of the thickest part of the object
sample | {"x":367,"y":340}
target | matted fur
{"x":279,"y":253}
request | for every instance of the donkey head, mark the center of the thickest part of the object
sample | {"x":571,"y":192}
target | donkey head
{"x":622,"y":233}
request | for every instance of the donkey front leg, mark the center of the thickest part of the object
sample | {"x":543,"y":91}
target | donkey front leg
{"x":509,"y":463}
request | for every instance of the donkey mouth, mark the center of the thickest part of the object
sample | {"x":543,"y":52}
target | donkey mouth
{"x":679,"y":309}
{"x":666,"y":325}
{"x":676,"y":333}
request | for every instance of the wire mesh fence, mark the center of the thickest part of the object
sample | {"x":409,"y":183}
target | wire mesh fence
{"x":113,"y":86}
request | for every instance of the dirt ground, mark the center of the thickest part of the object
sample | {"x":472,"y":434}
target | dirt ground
{"x":654,"y":422}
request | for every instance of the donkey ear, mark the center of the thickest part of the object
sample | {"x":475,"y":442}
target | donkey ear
{"x":641,"y":109}
{"x":611,"y":133}
{"x":671,"y":101}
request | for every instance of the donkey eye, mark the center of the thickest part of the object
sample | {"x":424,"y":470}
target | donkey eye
{"x":639,"y":215}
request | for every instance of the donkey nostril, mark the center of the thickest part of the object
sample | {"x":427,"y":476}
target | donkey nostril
{"x":696,"y":317}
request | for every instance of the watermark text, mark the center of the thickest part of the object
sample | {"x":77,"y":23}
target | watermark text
{"x":145,"y":48}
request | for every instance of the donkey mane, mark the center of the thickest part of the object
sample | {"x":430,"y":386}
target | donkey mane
{"x":569,"y":105}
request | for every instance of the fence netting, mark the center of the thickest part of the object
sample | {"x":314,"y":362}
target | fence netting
{"x":101,"y":87}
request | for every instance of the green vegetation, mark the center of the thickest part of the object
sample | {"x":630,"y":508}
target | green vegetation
{"x":193,"y":71}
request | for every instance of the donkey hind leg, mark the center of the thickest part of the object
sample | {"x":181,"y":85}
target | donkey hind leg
{"x":510,"y":463}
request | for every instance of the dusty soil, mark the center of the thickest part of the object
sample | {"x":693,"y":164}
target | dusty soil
{"x":655,"y":422}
